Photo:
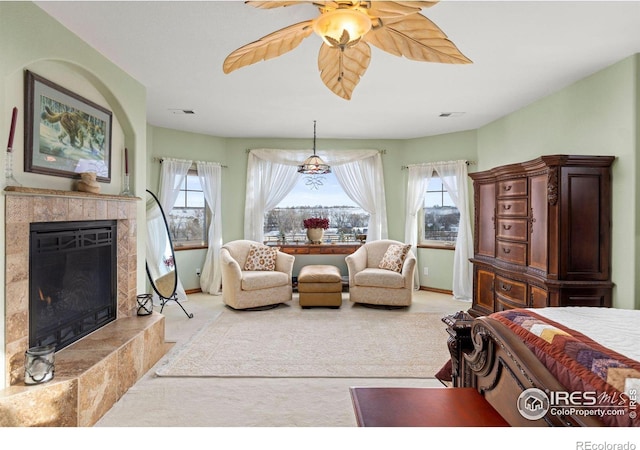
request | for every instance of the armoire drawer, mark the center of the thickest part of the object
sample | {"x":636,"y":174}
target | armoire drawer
{"x":515,"y":229}
{"x":504,"y":303}
{"x":512,"y":188}
{"x":512,"y":252}
{"x":514,"y":291}
{"x":513,"y":207}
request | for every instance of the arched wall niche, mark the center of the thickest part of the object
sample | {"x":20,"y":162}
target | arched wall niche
{"x":90,"y":86}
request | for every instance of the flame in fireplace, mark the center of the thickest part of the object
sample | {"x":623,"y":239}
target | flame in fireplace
{"x":43,"y":298}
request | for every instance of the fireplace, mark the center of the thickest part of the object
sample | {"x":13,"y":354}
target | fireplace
{"x":93,"y":373}
{"x":27,"y":207}
{"x":72,"y":280}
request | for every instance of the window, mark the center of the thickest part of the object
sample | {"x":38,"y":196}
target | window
{"x":441,"y":217}
{"x":347,"y":221}
{"x":188,"y":221}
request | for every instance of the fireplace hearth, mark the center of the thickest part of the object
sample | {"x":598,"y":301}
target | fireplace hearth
{"x":72,"y":280}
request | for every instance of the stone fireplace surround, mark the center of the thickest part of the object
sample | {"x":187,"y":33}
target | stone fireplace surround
{"x":94,"y":372}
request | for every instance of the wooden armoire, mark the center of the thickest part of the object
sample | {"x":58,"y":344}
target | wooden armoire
{"x":542,"y":234}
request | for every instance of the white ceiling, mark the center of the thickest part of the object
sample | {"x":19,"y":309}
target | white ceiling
{"x":522,"y":51}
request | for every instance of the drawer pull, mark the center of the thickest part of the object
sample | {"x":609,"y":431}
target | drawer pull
{"x":506,"y":207}
{"x":505,"y":287}
{"x":508,"y":187}
{"x":506,"y":227}
{"x":506,"y":250}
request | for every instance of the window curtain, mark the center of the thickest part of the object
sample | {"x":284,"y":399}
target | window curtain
{"x":172,"y":175}
{"x":210,"y":175}
{"x":454,"y":178}
{"x":268,"y":182}
{"x":272,"y":174}
{"x":363,"y":182}
{"x":419,"y":177}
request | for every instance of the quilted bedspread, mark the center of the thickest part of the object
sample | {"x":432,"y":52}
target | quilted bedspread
{"x":581,"y":365}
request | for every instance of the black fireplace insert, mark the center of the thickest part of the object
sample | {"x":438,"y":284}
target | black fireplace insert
{"x":72,"y":280}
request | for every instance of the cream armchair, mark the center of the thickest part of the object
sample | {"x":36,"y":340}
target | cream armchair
{"x":369,"y":284}
{"x":251,"y":289}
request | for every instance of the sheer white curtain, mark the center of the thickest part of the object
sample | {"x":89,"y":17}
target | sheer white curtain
{"x":419,"y":177}
{"x":210,"y":175}
{"x":172,"y":175}
{"x":455,"y":180}
{"x":268,"y":182}
{"x":272,"y":174}
{"x":362,"y":180}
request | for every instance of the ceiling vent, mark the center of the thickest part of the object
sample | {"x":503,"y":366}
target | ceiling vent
{"x":181,"y":111}
{"x":451,"y":114}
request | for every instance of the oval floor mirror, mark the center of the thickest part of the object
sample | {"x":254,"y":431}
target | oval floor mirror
{"x":160,"y":257}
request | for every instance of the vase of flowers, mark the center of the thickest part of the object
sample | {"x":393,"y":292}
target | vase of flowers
{"x":315,"y":228}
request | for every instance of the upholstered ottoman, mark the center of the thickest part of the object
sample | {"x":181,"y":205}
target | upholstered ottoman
{"x":320,"y":285}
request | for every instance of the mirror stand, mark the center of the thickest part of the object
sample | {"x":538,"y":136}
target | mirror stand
{"x":163,"y":301}
{"x":160,"y":256}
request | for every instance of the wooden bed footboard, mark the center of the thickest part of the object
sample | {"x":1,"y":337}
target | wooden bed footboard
{"x":500,"y":366}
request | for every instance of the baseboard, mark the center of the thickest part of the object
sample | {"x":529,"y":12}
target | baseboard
{"x":440,"y":291}
{"x":192,"y":291}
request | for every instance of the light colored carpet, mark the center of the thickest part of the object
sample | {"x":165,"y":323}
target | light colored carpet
{"x":319,"y":343}
{"x":169,"y":402}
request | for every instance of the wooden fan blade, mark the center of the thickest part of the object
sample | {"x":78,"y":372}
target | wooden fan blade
{"x":341,"y":70}
{"x":384,"y":10}
{"x":420,"y":4}
{"x":270,"y":46}
{"x":272,"y":5}
{"x":417,"y":38}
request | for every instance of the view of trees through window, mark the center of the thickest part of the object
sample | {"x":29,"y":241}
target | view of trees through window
{"x":441,"y":217}
{"x":347,"y":221}
{"x":188,"y":219}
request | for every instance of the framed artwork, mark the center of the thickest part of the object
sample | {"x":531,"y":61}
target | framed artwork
{"x":65,"y":134}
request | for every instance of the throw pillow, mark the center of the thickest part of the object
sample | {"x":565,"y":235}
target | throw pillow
{"x":261,"y":257}
{"x":394,"y":257}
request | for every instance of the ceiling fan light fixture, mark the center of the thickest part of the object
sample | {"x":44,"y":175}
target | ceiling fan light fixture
{"x":331,"y":26}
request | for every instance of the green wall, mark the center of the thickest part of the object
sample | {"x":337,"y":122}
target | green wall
{"x":595,"y":116}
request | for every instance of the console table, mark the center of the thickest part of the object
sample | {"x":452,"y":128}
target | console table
{"x":340,"y":248}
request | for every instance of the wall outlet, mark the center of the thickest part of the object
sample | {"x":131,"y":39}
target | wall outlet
{"x":198,"y":272}
{"x":425,"y":271}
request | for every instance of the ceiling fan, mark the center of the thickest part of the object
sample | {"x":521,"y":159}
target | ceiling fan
{"x":347,"y":28}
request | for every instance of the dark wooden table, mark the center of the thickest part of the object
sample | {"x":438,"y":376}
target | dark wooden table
{"x":423,"y":407}
{"x":342,"y":248}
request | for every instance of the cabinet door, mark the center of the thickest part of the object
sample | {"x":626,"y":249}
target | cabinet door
{"x":538,"y":243}
{"x":485,"y":220}
{"x":484,"y":297}
{"x":538,"y":297}
{"x":585,"y":228}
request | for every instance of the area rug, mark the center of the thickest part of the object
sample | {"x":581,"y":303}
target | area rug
{"x":314,"y":343}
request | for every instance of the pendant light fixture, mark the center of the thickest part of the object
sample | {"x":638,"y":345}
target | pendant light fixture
{"x":314,"y":165}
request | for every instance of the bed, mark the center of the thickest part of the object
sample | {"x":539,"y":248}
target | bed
{"x":562,"y":366}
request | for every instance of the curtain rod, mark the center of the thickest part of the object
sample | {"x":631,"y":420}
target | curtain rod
{"x":194,"y":162}
{"x":468,"y":163}
{"x":383,"y":151}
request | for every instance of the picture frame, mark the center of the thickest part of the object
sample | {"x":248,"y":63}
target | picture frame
{"x":65,"y":134}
